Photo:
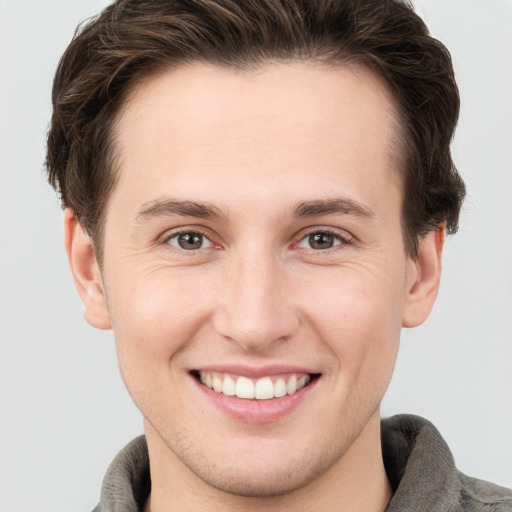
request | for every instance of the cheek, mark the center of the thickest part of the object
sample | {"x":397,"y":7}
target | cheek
{"x":358,"y":314}
{"x":365,"y":344}
{"x":153,"y":319}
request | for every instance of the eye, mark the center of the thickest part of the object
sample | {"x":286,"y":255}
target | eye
{"x":189,"y":241}
{"x":321,"y":240}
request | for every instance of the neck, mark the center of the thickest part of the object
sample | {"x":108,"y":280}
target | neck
{"x":356,"y":482}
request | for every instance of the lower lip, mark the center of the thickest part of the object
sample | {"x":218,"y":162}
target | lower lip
{"x":256,"y":411}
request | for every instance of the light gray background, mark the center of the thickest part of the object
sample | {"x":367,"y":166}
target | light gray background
{"x":64,"y":411}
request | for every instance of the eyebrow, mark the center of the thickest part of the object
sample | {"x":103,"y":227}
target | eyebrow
{"x":329,"y":206}
{"x":167,"y":206}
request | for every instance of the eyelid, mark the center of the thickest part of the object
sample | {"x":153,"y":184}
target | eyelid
{"x":171,"y":233}
{"x":344,"y":236}
{"x":173,"y":241}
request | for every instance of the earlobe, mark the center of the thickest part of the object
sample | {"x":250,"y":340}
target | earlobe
{"x":86,"y":272}
{"x":424,"y":276}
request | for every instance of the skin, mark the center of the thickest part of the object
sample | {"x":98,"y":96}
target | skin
{"x":254,"y":147}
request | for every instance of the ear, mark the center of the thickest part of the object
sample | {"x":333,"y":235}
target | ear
{"x":424,"y":275}
{"x":86,"y":272}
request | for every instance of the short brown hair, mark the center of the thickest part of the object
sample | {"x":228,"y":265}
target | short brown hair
{"x":132,"y":39}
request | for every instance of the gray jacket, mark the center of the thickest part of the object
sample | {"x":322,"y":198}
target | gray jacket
{"x":418,"y":462}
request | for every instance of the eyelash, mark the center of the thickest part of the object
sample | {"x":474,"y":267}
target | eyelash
{"x":191,"y":231}
{"x":343,"y":238}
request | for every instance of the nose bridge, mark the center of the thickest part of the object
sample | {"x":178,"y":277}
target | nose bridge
{"x":254,"y":311}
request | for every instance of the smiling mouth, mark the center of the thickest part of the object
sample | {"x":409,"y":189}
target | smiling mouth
{"x":264,"y":388}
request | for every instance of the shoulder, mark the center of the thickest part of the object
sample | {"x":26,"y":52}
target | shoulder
{"x":422,"y":472}
{"x":481,"y":496}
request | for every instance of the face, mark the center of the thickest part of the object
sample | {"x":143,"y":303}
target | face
{"x":254,"y":270}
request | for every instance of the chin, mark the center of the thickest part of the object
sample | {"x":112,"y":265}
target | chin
{"x":258,"y":482}
{"x":271,"y":469}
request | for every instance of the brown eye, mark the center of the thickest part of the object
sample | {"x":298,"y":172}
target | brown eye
{"x":320,"y":240}
{"x":189,"y":241}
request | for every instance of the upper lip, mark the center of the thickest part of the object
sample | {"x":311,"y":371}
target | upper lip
{"x":255,"y":372}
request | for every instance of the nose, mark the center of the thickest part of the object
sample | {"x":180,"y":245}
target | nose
{"x":255,"y":311}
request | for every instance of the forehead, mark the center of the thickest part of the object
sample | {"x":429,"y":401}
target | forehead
{"x":196,"y":124}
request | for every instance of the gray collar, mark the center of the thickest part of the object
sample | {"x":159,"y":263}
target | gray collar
{"x":418,"y":462}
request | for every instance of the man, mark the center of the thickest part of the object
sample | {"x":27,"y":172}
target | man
{"x":257,"y":195}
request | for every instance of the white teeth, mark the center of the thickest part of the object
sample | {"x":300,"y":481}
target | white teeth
{"x":264,"y":389}
{"x":302,"y":382}
{"x":291,"y":387}
{"x":279,"y":388}
{"x":244,"y":388}
{"x":260,"y":389}
{"x":228,"y":387}
{"x":217,"y":384}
